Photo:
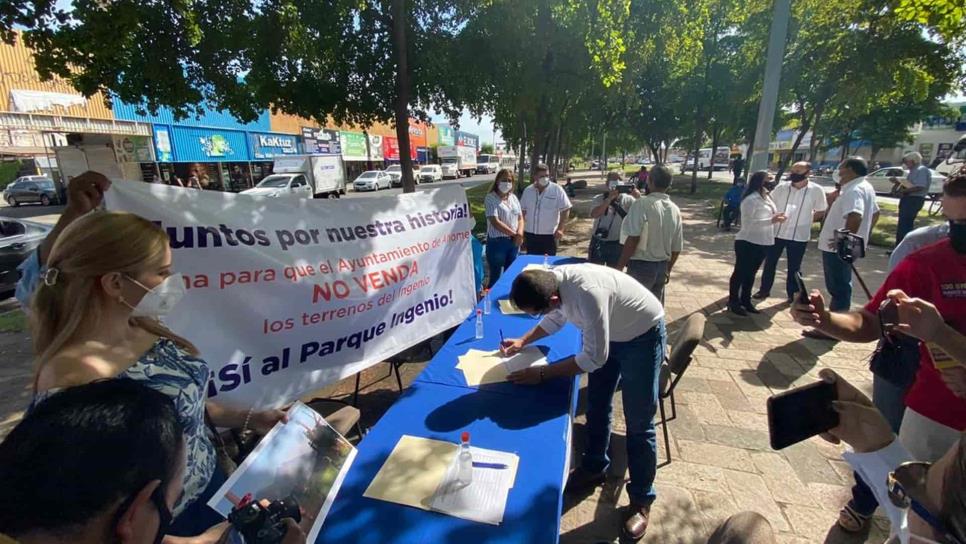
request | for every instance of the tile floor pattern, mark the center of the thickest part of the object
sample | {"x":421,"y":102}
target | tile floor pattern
{"x":722,"y":463}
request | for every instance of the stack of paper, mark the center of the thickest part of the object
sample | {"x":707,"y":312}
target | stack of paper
{"x":482,"y":367}
{"x":508,"y":307}
{"x":422,"y":473}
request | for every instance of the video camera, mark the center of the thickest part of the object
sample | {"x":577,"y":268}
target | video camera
{"x":263,"y":524}
{"x":849,"y":246}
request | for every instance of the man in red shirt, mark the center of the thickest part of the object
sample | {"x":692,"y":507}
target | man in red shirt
{"x":935,"y":416}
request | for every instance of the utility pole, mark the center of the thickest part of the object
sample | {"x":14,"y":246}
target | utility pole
{"x":769,"y":92}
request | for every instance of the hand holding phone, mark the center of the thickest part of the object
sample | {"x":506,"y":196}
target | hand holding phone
{"x":799,"y":414}
{"x":802,"y":290}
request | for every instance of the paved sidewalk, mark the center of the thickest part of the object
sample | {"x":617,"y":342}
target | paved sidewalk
{"x":721,"y":459}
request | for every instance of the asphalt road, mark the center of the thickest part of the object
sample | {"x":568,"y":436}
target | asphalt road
{"x":468,"y":183}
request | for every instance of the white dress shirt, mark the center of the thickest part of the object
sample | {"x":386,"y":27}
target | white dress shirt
{"x":541,"y":211}
{"x":606,"y":305}
{"x":756,"y":220}
{"x":856,"y":196}
{"x":799,"y":206}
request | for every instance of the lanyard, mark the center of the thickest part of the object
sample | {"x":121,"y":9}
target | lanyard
{"x":801,"y":207}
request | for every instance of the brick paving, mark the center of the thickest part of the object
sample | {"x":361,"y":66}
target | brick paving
{"x":721,"y":460}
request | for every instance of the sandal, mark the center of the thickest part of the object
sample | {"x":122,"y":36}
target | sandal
{"x":852,"y":521}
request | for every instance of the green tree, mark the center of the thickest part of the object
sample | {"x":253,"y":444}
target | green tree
{"x":486,"y":149}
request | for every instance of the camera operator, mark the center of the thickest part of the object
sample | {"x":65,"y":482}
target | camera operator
{"x":608,"y":213}
{"x":934,"y":414}
{"x":855,"y":209}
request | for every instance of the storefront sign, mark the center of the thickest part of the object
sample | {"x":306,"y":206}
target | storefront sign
{"x":162,"y":144}
{"x":284,"y":310}
{"x":390,"y":148}
{"x":467,"y":140}
{"x":209,"y":145}
{"x":133,"y":149}
{"x":267,"y":146}
{"x":321,"y":140}
{"x":447,"y":136}
{"x":353,"y":146}
{"x":375,"y":147}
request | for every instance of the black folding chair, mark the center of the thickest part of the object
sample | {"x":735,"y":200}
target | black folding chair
{"x":674,"y":366}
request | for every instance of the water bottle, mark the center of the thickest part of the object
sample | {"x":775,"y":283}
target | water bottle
{"x":546,"y":261}
{"x":486,"y":301}
{"x":465,"y":475}
{"x":479,"y":324}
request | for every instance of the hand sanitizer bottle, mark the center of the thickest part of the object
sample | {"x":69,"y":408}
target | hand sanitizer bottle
{"x":546,"y":261}
{"x":486,"y":301}
{"x":479,"y":324}
{"x":465,"y":475}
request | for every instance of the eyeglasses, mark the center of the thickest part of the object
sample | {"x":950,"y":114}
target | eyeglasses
{"x":907,"y":489}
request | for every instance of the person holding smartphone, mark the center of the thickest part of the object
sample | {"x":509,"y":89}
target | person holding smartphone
{"x":608,"y":213}
{"x":758,"y":219}
{"x":935,"y":412}
{"x":912,"y":195}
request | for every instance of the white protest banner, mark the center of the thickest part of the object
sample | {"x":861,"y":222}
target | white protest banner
{"x":287,"y":295}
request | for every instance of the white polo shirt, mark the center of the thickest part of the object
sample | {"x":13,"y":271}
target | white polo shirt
{"x":799,"y":206}
{"x":606,"y":305}
{"x":857,"y":196}
{"x":541,"y":211}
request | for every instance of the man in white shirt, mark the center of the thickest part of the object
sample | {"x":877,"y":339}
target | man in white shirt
{"x":803,"y":203}
{"x":652,"y":235}
{"x":608,"y":213}
{"x":546,"y":209}
{"x":855,"y":210}
{"x":622,"y":333}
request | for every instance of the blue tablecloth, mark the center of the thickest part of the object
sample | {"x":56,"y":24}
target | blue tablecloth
{"x":531,"y":421}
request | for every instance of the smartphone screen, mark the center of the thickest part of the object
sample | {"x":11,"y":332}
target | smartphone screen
{"x":801,"y":413}
{"x":802,"y":290}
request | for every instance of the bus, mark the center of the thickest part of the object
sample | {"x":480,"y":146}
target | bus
{"x":487,"y":164}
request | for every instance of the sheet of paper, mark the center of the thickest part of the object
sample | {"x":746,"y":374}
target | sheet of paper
{"x":906,"y":183}
{"x":484,"y":499}
{"x":507,"y":307}
{"x":534,"y":267}
{"x":790,"y":210}
{"x":101,"y":159}
{"x":482,"y":367}
{"x":413,"y":472}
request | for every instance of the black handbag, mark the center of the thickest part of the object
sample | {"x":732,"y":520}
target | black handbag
{"x":896,"y":360}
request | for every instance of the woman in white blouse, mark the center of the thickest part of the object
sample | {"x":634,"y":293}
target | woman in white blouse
{"x":758,"y":219}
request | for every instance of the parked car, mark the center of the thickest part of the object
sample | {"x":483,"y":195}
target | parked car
{"x":35,"y":189}
{"x":282,"y":185}
{"x":882,"y":184}
{"x":430,"y":173}
{"x":395,"y":175}
{"x":18,"y":239}
{"x":373,"y":180}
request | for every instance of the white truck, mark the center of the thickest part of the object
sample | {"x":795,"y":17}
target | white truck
{"x":487,"y":164}
{"x":303,"y":176}
{"x":721,"y":156}
{"x":457,"y":160}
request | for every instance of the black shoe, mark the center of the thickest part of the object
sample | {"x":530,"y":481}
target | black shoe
{"x":737,"y":310}
{"x":750,"y":309}
{"x":760,"y":295}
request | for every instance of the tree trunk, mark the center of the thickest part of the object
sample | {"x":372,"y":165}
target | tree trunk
{"x":715,"y":133}
{"x":783,"y":163}
{"x":368,"y":150}
{"x":875,"y":152}
{"x":401,"y":102}
{"x":813,"y":145}
{"x":523,"y":150}
{"x":694,"y":166}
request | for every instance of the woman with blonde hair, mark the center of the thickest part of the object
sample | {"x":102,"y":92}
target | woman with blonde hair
{"x":504,"y":224}
{"x":95,"y":314}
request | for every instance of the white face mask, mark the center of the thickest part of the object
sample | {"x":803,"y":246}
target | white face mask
{"x":836,"y":177}
{"x":542,"y":182}
{"x":159,"y":301}
{"x":504,"y":186}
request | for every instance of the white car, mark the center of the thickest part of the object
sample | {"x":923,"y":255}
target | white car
{"x":882,"y":184}
{"x":430,"y":173}
{"x":395,"y":172}
{"x":373,"y":180}
{"x":281,"y":185}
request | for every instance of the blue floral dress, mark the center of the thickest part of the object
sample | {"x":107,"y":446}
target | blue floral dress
{"x":170,"y":370}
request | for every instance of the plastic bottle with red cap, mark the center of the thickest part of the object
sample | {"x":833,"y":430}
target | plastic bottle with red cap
{"x":465,"y":474}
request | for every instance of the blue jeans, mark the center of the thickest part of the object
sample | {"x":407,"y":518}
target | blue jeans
{"x":838,"y":281}
{"x":796,"y":252}
{"x":889,"y":399}
{"x":500,"y":254}
{"x":637,"y":364}
{"x":909,"y":207}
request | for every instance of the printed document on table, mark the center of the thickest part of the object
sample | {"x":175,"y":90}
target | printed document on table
{"x":535,"y":267}
{"x":413,"y":472}
{"x":482,"y":367}
{"x":507,"y":307}
{"x":484,"y":499}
